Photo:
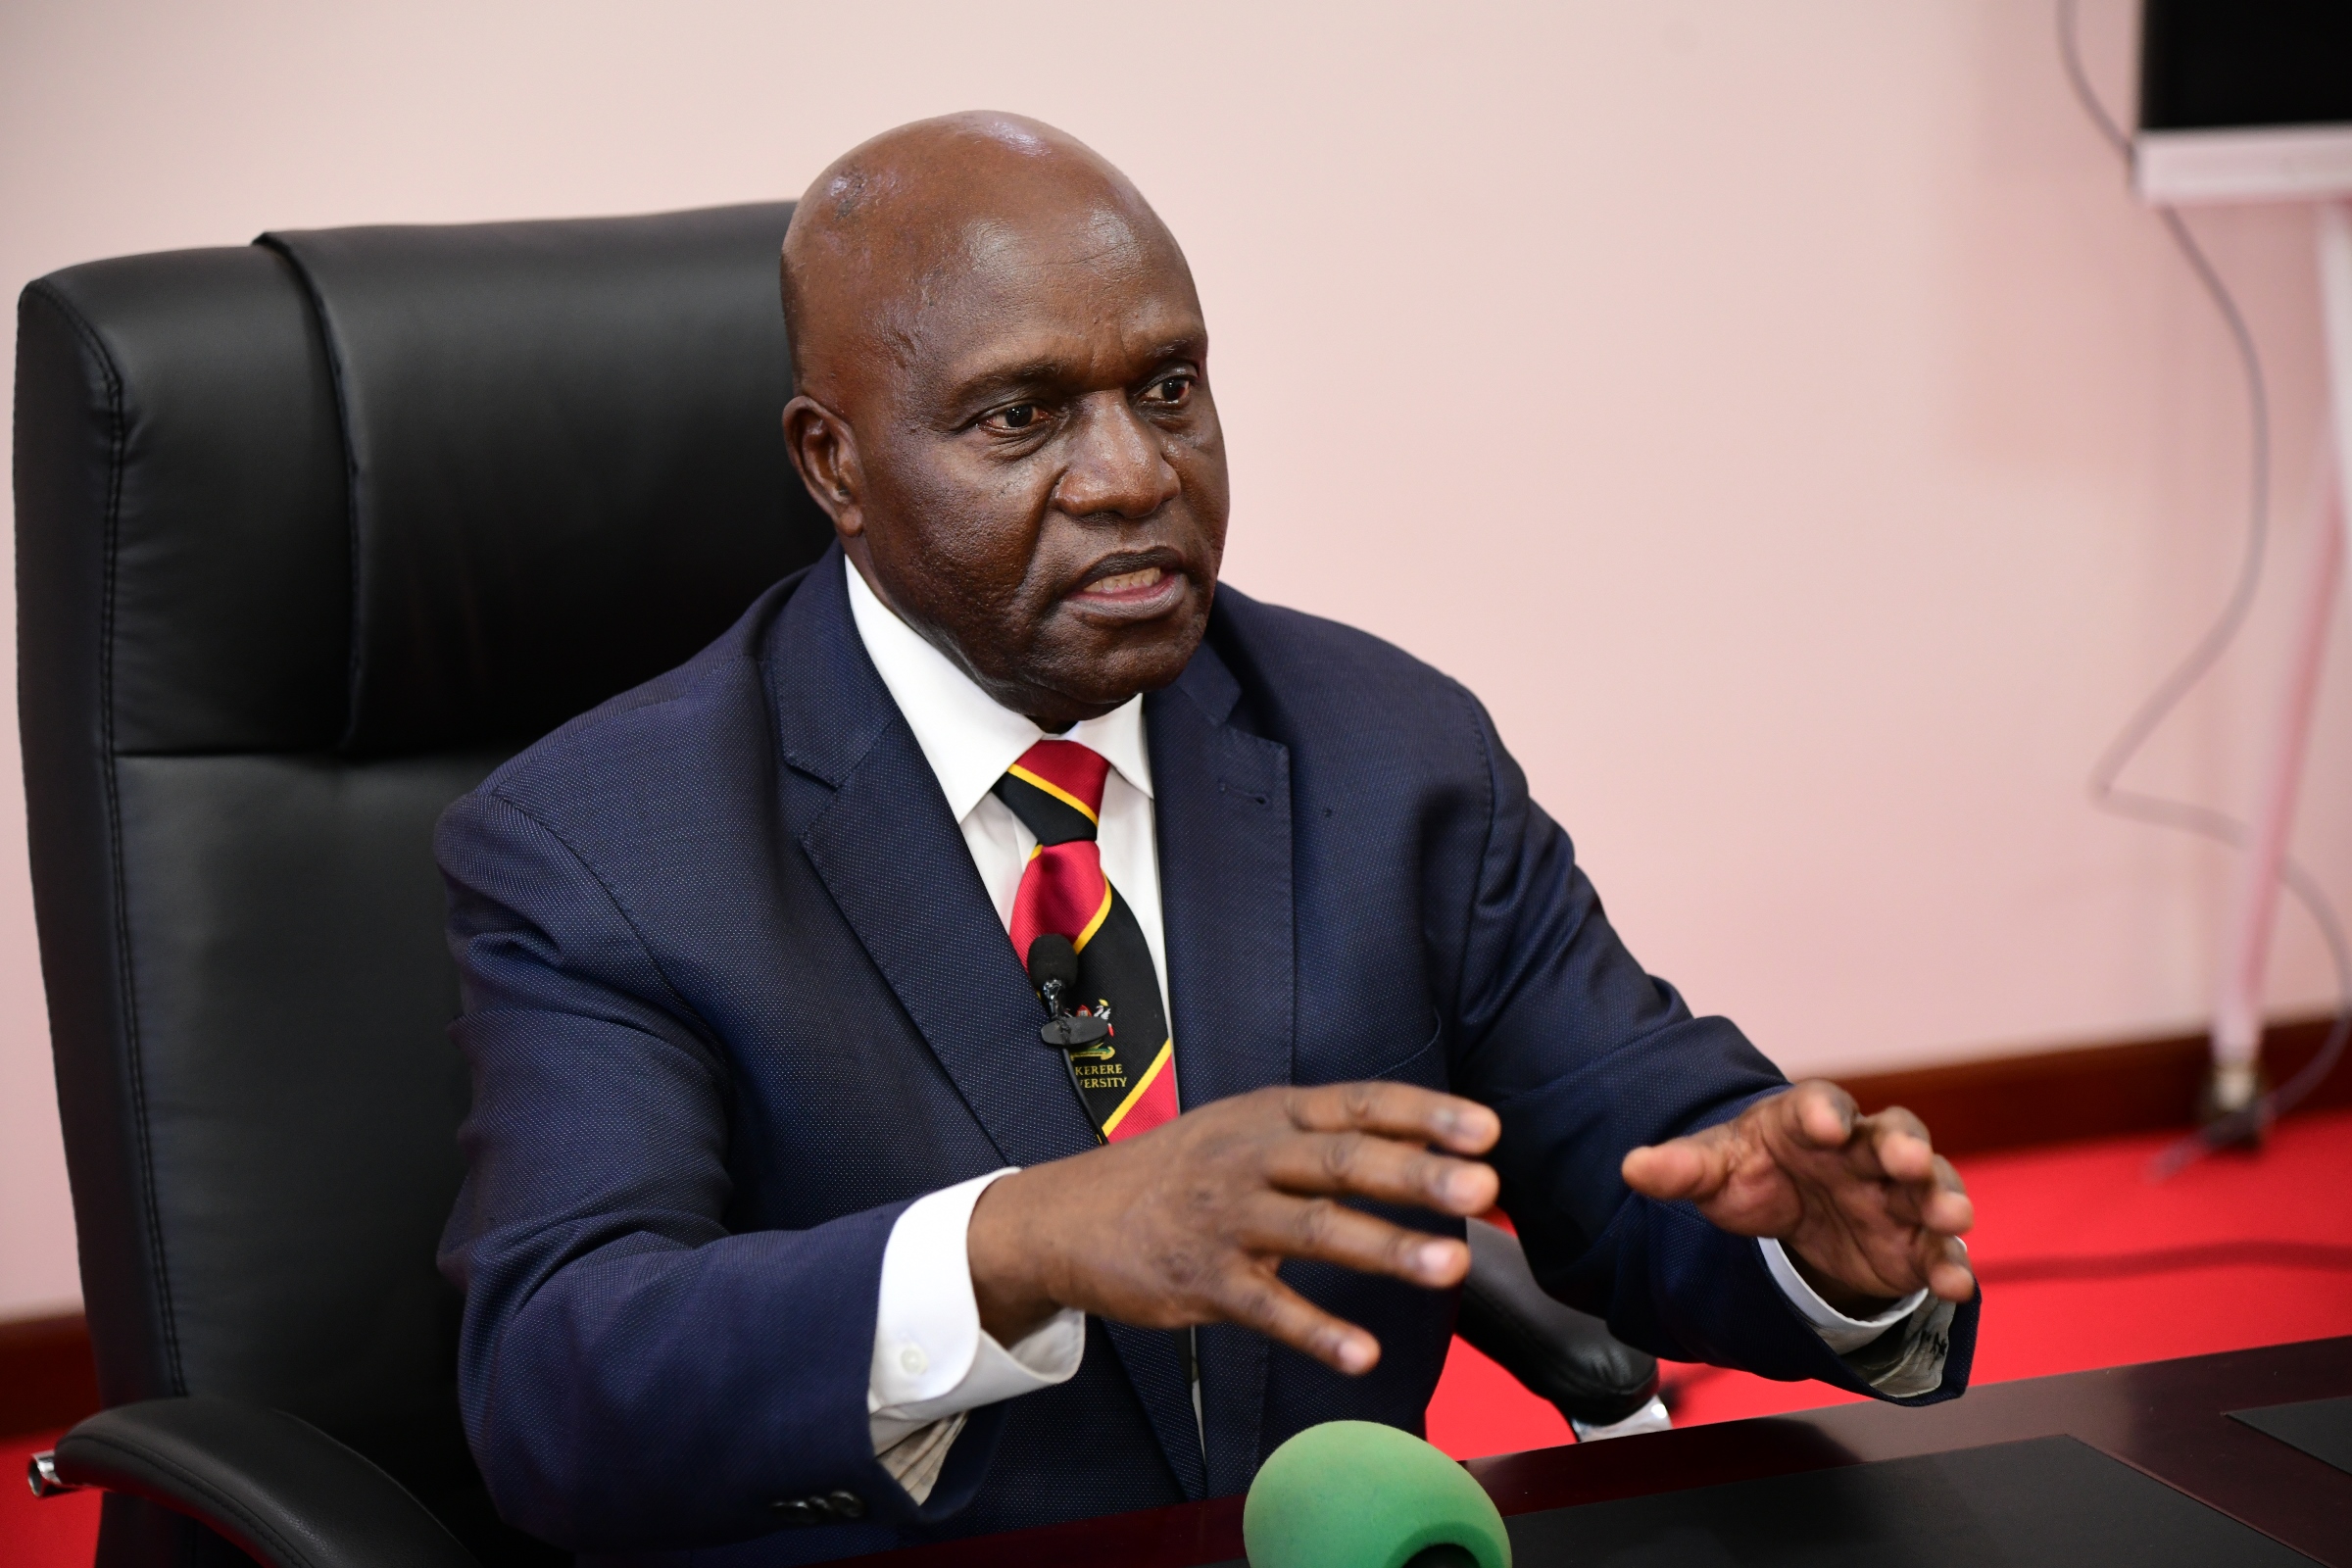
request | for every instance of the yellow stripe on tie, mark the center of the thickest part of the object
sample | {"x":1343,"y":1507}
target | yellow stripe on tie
{"x":1055,"y":790}
{"x":1159,"y":1064}
{"x":1102,"y":913}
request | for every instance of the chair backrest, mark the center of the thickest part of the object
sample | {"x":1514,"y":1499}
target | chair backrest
{"x":310,"y":535}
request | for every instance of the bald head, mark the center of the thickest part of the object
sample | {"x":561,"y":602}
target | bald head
{"x":881,"y":236}
{"x":1003,"y":404}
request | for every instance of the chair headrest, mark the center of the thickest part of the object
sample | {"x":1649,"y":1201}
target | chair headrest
{"x":565,"y":468}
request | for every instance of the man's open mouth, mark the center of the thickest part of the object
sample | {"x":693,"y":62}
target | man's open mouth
{"x":1125,"y":583}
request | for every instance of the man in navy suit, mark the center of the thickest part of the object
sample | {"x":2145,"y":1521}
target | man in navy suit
{"x":803,"y":1221}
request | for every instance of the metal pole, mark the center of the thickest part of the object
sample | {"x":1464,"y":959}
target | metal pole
{"x":2238,"y":1012}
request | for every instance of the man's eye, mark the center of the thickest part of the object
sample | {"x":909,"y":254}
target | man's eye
{"x":1170,"y":389}
{"x":1020,"y":417}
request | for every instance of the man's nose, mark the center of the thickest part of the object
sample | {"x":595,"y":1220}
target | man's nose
{"x":1118,"y":466}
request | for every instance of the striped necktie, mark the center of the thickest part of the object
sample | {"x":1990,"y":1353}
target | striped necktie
{"x":1128,"y":1081}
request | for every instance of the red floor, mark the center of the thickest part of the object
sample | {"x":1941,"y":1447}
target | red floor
{"x":2267,"y":1238}
{"x":2255,"y":1251}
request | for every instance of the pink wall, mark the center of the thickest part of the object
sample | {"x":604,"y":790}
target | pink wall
{"x":1779,"y":413}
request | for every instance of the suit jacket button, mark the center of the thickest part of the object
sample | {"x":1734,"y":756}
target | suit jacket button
{"x":799,"y":1510}
{"x":845,"y":1504}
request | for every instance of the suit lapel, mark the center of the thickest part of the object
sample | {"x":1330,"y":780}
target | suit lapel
{"x":1222,"y":804}
{"x":897,"y":868}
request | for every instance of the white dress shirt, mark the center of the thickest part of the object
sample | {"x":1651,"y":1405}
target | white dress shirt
{"x":933,"y":1362}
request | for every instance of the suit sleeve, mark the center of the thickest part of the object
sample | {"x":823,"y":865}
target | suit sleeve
{"x":633,"y":1373}
{"x":1584,"y":1055}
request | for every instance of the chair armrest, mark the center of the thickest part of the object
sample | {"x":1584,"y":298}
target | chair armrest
{"x":280,"y":1489}
{"x":1559,"y":1354}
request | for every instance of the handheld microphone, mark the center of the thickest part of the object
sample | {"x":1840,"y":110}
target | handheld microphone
{"x":1358,"y":1495}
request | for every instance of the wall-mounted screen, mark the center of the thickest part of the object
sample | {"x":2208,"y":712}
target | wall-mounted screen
{"x":2244,"y":100}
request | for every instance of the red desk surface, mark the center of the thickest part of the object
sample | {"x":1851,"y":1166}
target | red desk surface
{"x":2166,"y":1418}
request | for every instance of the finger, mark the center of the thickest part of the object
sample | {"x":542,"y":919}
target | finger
{"x":1331,"y":1232}
{"x":1899,"y":1142}
{"x":1394,"y":1111}
{"x":1948,"y":1207}
{"x":1694,"y":1167}
{"x":1929,"y":1210}
{"x":1372,"y":1166}
{"x":1937,"y":1202}
{"x":1946,"y":1268}
{"x":1256,"y":1300}
{"x":1820,"y":1114}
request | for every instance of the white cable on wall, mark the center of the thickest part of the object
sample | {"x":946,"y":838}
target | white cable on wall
{"x":2106,"y":791}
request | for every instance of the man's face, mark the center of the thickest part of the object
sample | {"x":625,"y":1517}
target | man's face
{"x":1040,"y":479}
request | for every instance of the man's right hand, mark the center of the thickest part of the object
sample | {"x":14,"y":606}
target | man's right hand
{"x":1188,"y":1222}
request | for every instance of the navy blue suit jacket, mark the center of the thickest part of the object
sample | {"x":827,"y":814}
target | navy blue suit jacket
{"x":735,"y":995}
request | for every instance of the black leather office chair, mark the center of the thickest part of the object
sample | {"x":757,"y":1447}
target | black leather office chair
{"x":310,"y":535}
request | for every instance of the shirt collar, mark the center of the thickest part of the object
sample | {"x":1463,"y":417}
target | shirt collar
{"x":970,"y":740}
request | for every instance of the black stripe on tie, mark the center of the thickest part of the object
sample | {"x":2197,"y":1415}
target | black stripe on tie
{"x":1052,"y":819}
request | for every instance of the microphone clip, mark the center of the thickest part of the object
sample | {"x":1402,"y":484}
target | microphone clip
{"x":1053,"y":969}
{"x":1067,"y":1030}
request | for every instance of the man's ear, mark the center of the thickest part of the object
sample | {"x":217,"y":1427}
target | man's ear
{"x":824,"y":448}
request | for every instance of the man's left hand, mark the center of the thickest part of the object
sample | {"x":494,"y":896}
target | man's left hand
{"x":1868,"y":1210}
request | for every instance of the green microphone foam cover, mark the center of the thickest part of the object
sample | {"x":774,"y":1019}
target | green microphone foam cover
{"x":1358,"y":1495}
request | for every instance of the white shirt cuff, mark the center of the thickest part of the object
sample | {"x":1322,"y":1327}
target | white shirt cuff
{"x":932,"y":1359}
{"x":1841,"y":1334}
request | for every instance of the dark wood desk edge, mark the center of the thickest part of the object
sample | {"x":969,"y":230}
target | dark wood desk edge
{"x":2165,"y":1418}
{"x":2192,"y":1445}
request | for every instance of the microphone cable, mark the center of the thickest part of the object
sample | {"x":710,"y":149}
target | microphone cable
{"x":2107,"y":794}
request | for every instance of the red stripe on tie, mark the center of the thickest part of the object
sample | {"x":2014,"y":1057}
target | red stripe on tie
{"x":1061,"y":891}
{"x":1153,"y":1101}
{"x":1067,"y":765}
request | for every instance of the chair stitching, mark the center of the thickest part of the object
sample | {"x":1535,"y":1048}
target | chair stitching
{"x":354,"y":673}
{"x":222,"y":1502}
{"x":134,"y":1044}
